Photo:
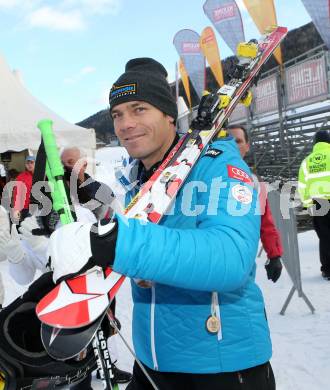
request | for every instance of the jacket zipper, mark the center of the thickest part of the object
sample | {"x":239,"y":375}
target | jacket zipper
{"x":152,"y":328}
{"x":215,"y":309}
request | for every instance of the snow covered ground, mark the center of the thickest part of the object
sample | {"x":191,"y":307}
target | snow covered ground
{"x":301,"y":340}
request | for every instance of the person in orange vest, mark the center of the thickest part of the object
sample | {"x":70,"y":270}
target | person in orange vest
{"x":269,"y":235}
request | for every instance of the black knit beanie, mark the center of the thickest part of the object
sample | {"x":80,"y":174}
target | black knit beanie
{"x":144,"y":80}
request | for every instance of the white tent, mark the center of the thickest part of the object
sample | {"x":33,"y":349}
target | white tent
{"x":20,"y":113}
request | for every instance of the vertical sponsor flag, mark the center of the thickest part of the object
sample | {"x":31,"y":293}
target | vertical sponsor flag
{"x":319,"y":11}
{"x":187,"y":45}
{"x":226,"y":18}
{"x":209,"y":46}
{"x":185,"y":81}
{"x":264,"y":16}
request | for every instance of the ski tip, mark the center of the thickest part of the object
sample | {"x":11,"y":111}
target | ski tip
{"x":282,"y":30}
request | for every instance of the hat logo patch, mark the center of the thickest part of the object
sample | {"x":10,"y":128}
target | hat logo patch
{"x":123,"y":90}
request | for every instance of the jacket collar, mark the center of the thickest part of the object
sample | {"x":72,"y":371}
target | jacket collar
{"x":319,"y":146}
{"x":129,"y":175}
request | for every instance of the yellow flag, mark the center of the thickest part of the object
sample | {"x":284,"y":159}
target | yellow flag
{"x":209,"y":46}
{"x":264,"y":16}
{"x":185,"y":81}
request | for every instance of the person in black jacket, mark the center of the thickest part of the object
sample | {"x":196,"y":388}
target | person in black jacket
{"x":92,"y":194}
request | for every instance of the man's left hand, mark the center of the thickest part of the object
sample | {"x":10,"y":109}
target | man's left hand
{"x":274,"y":268}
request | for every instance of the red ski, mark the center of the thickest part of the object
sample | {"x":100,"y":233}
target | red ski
{"x":79,"y":300}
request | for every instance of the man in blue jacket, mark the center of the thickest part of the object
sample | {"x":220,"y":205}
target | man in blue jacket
{"x":199,"y":320}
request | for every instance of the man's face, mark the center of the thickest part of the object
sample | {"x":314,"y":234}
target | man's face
{"x":239,"y":136}
{"x":29,"y":166}
{"x":70,"y":158}
{"x":143,"y":130}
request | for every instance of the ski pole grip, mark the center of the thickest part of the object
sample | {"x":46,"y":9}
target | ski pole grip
{"x":46,"y":128}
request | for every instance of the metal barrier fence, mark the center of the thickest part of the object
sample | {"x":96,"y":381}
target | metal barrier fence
{"x":287,"y":225}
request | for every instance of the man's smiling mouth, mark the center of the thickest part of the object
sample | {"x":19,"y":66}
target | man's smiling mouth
{"x":133,"y":137}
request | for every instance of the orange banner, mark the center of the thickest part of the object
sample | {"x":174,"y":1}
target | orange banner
{"x":209,"y":46}
{"x":185,"y":81}
{"x":264,"y":16}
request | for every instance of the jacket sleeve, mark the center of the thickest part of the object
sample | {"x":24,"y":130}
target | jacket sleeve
{"x":217,"y":255}
{"x":269,"y":235}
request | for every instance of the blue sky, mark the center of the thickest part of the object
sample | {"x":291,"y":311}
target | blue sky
{"x":69,"y":52}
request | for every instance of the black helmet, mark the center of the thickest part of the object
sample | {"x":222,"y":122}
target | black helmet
{"x":322,"y":136}
{"x":23,"y":360}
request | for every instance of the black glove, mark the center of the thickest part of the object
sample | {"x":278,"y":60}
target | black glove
{"x":103,"y":236}
{"x":274,"y":268}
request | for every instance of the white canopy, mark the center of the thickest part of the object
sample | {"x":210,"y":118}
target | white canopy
{"x":20,"y":113}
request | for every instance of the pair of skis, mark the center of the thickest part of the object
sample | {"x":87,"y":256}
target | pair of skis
{"x":77,"y":303}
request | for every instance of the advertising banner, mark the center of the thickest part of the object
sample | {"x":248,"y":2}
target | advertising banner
{"x":264,"y":16}
{"x":265,"y":96}
{"x":211,"y":52}
{"x":226,"y":18}
{"x":306,"y":82}
{"x":239,"y":114}
{"x":185,"y":81}
{"x":319,"y":11}
{"x":187,"y":45}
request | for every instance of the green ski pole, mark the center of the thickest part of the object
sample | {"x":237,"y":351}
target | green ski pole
{"x":55,"y":172}
{"x":61,"y":204}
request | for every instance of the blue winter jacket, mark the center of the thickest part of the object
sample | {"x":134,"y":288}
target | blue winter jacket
{"x":207,"y":244}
